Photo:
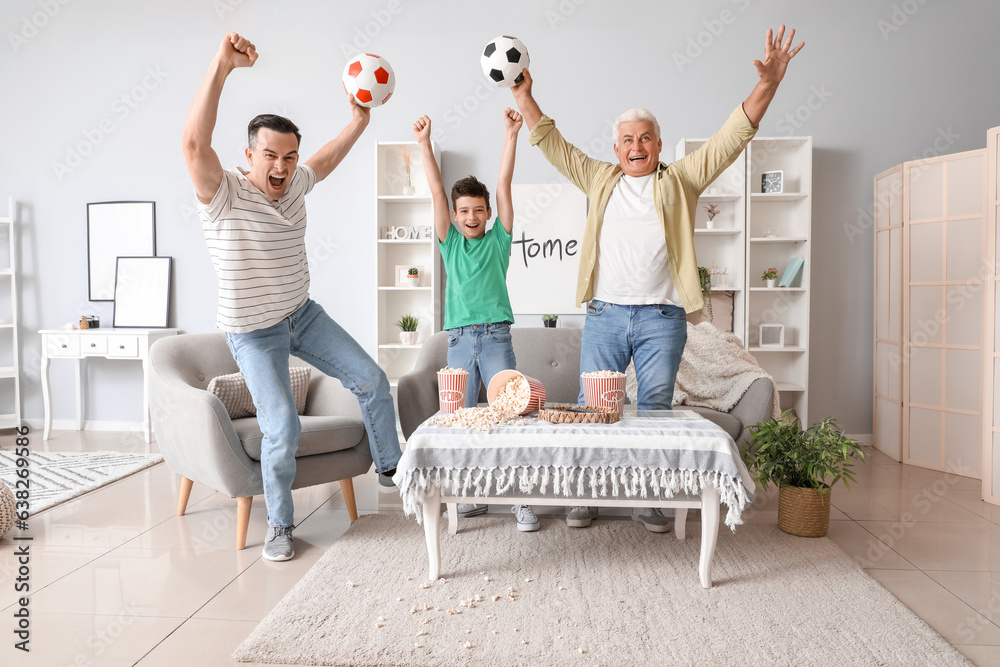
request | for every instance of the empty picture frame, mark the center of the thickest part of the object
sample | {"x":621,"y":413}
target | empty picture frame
{"x":116,"y":229}
{"x":142,"y":292}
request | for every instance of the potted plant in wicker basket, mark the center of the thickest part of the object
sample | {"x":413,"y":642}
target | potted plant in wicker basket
{"x":804,"y":465}
{"x":408,"y":329}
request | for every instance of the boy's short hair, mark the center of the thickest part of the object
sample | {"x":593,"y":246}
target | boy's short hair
{"x":468,"y":187}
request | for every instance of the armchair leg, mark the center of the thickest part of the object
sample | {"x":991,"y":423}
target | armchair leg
{"x":182,"y":501}
{"x":242,"y":520}
{"x":347,"y":488}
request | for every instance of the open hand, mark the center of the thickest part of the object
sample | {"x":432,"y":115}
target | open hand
{"x":776,"y":56}
{"x":512,"y":120}
{"x":422,"y":129}
{"x":237,"y":51}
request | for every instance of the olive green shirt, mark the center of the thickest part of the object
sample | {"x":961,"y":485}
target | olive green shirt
{"x":676,"y":189}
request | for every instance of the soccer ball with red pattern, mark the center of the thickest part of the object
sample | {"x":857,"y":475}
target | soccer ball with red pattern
{"x":503,"y":59}
{"x":370,"y":79}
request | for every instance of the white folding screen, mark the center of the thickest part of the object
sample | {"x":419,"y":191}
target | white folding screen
{"x":991,"y":330}
{"x":942,"y":319}
{"x":888,"y":381}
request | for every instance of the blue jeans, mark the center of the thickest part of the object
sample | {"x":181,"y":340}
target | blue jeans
{"x":483,"y":350}
{"x":654,"y":336}
{"x":311,"y":335}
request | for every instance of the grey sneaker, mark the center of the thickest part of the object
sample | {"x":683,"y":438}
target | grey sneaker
{"x":385,"y":483}
{"x":466,"y":510}
{"x":652,"y":518}
{"x":526,"y":520}
{"x":580,"y":517}
{"x":278,"y":543}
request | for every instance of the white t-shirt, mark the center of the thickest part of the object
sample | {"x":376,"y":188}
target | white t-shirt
{"x":258,"y":250}
{"x":632,"y":267}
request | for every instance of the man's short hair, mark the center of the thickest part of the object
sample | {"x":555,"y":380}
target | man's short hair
{"x":271,"y":122}
{"x":633,"y":115}
{"x":468,"y":187}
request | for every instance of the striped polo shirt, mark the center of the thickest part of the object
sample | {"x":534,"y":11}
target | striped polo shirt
{"x":258,"y":250}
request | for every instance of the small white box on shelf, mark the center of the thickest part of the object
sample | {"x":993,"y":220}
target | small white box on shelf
{"x":771,"y":334}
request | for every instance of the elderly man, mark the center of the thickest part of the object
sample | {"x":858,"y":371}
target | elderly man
{"x":638,"y":269}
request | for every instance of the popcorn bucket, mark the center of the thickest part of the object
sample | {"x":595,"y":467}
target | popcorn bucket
{"x":604,"y":392}
{"x":521,"y":404}
{"x":451,"y":390}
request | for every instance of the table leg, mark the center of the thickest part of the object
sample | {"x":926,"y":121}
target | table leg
{"x":79,"y":394}
{"x":452,"y":518}
{"x":709,"y":532}
{"x":432,"y":532}
{"x":46,"y":398}
{"x":680,"y":522}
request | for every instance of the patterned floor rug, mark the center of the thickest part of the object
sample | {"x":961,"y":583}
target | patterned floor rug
{"x":613,"y":594}
{"x":55,"y":477}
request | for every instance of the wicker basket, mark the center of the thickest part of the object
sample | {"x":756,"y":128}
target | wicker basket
{"x":803,"y":512}
{"x":568,"y":415}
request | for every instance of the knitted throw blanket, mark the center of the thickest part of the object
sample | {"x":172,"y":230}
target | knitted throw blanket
{"x":715,"y":371}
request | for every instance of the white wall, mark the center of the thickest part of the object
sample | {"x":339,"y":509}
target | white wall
{"x":878,"y":83}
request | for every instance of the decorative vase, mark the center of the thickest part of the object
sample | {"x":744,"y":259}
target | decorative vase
{"x":804,"y":512}
{"x":772,"y":282}
{"x":413,"y":281}
{"x":709,"y":224}
{"x":408,"y":190}
{"x":549,"y":324}
{"x":408,"y":337}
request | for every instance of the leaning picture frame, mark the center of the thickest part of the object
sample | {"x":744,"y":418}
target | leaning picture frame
{"x":142,"y":292}
{"x":116,"y":229}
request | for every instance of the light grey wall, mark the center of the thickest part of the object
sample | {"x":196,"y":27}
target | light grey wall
{"x":879,"y":82}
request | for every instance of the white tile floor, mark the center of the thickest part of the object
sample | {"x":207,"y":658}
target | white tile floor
{"x":119,"y":579}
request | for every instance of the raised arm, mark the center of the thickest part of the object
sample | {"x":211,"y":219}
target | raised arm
{"x":202,"y":162}
{"x":771,"y":71}
{"x":439,"y":198}
{"x":505,"y":205}
{"x":526,"y":101}
{"x":326,"y":159}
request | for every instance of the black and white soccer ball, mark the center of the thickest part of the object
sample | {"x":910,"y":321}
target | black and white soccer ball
{"x":503,"y":59}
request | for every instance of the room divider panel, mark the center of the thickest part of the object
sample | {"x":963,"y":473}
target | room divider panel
{"x":991,"y":376}
{"x":888,"y":390}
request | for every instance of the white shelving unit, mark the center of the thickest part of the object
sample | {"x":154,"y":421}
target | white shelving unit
{"x":9,"y":365}
{"x":395,"y":209}
{"x":755,"y":231}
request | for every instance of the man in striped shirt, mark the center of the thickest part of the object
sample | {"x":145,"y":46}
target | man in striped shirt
{"x":255,"y":223}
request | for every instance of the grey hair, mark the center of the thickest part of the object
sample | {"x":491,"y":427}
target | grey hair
{"x":633,"y":115}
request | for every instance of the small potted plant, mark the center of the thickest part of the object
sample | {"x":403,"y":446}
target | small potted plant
{"x":804,"y":465}
{"x":770,"y":277}
{"x":549,"y":320}
{"x":712,"y":211}
{"x":413,"y":277}
{"x":706,"y":288}
{"x":408,"y":329}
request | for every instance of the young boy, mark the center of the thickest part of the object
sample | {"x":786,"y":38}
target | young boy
{"x":477,"y":312}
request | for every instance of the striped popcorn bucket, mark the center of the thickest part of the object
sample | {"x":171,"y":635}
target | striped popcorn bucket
{"x":534,"y":401}
{"x":604,"y":392}
{"x":451,"y":390}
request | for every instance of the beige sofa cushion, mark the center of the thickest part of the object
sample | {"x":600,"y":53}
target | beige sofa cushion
{"x":232,"y":390}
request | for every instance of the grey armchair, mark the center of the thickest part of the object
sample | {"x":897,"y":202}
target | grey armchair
{"x":553,"y":357}
{"x":201,"y":443}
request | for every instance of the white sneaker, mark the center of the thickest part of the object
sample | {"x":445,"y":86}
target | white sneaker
{"x":526,"y":520}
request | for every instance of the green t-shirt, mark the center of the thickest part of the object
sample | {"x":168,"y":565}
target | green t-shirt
{"x":476,"y":292}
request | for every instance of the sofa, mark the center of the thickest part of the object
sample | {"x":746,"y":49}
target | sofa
{"x":552,"y":356}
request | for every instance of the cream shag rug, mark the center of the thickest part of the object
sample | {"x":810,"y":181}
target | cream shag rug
{"x":609,"y":594}
{"x":56,"y":477}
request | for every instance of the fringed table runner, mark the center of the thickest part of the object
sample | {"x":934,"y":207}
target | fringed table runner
{"x":636,"y":457}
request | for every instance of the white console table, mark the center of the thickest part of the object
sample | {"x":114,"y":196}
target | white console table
{"x":79,"y":344}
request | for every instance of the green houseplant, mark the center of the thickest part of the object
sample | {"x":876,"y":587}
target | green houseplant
{"x":549,"y":320}
{"x":705,"y":278}
{"x":804,"y":465}
{"x":413,"y":276}
{"x":408,"y":329}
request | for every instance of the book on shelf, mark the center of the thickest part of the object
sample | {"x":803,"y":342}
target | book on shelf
{"x":791,"y":274}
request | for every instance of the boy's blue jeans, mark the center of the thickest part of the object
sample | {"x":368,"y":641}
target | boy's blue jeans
{"x":483,"y":350}
{"x":654,"y":336}
{"x":311,"y":335}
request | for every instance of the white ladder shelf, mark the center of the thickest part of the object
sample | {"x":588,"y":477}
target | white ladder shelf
{"x":12,"y":372}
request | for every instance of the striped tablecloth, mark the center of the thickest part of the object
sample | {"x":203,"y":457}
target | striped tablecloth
{"x":658,"y":456}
